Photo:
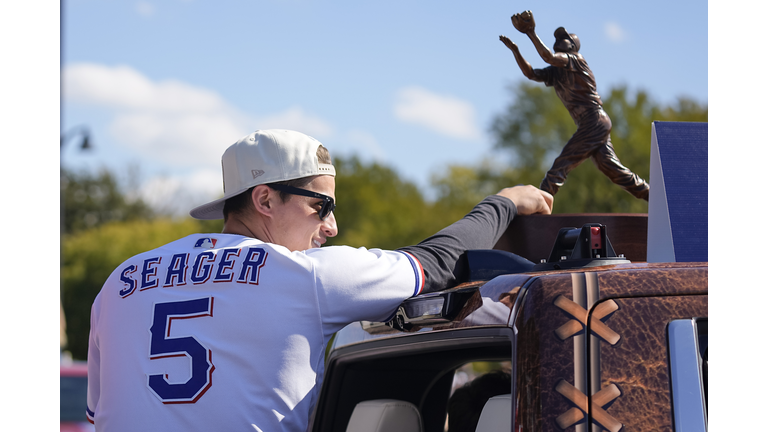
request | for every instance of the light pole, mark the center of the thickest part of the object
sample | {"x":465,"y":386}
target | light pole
{"x":85,"y":144}
{"x":82,"y":131}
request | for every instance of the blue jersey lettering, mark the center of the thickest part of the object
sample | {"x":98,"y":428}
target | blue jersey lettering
{"x":201,"y":269}
{"x":254,"y":261}
{"x":125,"y":276}
{"x":177,"y":269}
{"x":149,"y":273}
{"x":225,"y":265}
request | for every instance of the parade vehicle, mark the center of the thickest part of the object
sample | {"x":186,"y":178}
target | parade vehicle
{"x":594,"y":337}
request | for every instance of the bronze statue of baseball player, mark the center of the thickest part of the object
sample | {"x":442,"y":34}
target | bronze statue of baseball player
{"x":575,"y":85}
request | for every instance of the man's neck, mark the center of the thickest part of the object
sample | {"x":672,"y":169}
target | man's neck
{"x":235,"y":225}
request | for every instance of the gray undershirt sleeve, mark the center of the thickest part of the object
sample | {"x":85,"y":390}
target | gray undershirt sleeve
{"x":440,"y":255}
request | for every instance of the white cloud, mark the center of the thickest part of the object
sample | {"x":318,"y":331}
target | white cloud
{"x":614,"y":32}
{"x":182,"y":126}
{"x":145,"y":9}
{"x":365,"y":143}
{"x":123,"y":88}
{"x":160,"y":192}
{"x":295,"y":118}
{"x":446,"y":115}
{"x":187,"y":139}
{"x":171,"y":121}
{"x":177,"y":195}
{"x":207,"y":182}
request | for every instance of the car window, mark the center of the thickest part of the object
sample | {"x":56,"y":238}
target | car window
{"x":472,"y":370}
{"x":473,"y":384}
{"x":418,"y":368}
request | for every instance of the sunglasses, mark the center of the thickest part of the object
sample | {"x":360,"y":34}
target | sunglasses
{"x":325,"y":210}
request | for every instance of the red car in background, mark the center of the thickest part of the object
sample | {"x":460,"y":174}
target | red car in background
{"x":73,"y":386}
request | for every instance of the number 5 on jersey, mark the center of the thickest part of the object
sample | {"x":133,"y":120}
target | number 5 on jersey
{"x":161,"y":345}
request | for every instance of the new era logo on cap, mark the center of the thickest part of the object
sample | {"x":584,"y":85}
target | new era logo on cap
{"x":257,"y":173}
{"x":205,"y":243}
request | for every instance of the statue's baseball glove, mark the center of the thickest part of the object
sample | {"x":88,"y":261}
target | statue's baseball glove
{"x":523,"y":21}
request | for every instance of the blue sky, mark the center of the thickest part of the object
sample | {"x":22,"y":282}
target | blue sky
{"x":167,"y":85}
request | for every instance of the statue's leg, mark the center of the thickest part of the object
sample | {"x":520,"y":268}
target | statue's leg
{"x":606,"y":161}
{"x":576,"y":151}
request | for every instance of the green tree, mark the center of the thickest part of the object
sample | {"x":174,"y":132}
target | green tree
{"x":460,"y":188}
{"x":376,"y":208}
{"x":89,"y":200}
{"x":535,"y":127}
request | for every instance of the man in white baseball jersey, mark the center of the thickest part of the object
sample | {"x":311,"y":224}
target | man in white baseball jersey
{"x":227,"y":332}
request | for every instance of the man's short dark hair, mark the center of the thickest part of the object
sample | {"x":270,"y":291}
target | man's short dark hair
{"x":467,"y":402}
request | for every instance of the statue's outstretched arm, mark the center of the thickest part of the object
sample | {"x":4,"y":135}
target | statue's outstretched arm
{"x":524,"y":65}
{"x":555,"y":59}
{"x":525,"y":23}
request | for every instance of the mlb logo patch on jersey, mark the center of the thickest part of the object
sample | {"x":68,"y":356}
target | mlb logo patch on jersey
{"x":205,"y":243}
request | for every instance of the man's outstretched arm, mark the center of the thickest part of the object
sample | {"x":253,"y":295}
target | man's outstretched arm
{"x":440,"y":254}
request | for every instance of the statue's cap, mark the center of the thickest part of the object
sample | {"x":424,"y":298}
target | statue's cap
{"x":561,"y":33}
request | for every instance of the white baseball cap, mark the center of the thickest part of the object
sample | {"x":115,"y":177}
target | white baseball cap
{"x":265,"y":156}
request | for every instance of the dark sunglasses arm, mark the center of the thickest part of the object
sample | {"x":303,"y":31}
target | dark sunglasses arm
{"x":297,"y":191}
{"x":328,"y":207}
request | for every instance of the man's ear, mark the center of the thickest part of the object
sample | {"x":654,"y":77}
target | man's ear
{"x":264,"y":199}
